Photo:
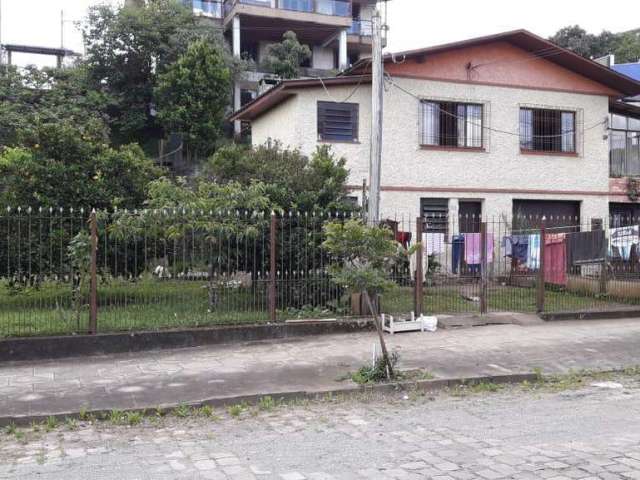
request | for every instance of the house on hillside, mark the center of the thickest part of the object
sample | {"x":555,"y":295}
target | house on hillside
{"x":497,"y":125}
{"x":338,"y":32}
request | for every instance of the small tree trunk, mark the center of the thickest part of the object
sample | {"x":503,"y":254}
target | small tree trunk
{"x":376,"y":322}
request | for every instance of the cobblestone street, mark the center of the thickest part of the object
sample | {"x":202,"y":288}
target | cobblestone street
{"x":587,"y":433}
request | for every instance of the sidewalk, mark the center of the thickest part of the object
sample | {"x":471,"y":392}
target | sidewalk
{"x":312,"y":364}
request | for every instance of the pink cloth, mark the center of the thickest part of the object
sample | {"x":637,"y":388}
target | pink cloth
{"x":555,"y":259}
{"x":472,"y":248}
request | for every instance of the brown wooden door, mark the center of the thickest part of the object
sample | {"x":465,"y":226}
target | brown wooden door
{"x":470,"y":215}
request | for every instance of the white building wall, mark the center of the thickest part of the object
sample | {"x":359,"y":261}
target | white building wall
{"x":323,"y":58}
{"x":278,"y":125}
{"x":408,"y":167}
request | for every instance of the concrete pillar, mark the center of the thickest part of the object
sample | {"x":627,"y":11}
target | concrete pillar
{"x":236,"y":36}
{"x":343,"y":60}
{"x":237,"y":126}
{"x":454,"y":211}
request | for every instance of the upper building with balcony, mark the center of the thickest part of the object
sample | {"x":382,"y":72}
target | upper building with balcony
{"x":338,"y":32}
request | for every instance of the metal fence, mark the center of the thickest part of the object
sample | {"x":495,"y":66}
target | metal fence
{"x":66,"y":271}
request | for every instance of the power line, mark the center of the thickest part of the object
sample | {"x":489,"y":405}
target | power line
{"x":353,"y":92}
{"x":485,"y":127}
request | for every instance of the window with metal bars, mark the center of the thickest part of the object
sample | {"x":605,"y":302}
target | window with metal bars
{"x":435,"y":211}
{"x":451,"y":124}
{"x":338,"y":121}
{"x":546,"y":130}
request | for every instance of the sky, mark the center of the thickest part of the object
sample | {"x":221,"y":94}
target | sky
{"x":412,"y":23}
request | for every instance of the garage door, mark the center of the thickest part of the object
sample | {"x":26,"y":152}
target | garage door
{"x":529,"y":213}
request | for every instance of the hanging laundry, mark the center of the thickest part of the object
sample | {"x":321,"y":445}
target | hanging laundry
{"x":585,"y":247}
{"x":533,"y":252}
{"x":516,"y":246}
{"x":555,"y":259}
{"x":473,"y":248}
{"x":403,"y":238}
{"x":434,"y":243}
{"x":457,"y":253}
{"x":623,"y":238}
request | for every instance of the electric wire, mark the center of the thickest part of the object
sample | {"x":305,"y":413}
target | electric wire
{"x":389,"y":78}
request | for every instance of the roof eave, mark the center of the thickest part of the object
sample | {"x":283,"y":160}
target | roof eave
{"x":284,"y":89}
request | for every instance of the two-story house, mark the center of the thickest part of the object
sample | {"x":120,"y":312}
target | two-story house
{"x":499,"y":125}
{"x":338,"y":32}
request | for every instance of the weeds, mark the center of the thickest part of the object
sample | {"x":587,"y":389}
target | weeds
{"x":50,"y":423}
{"x":84,"y":415}
{"x":182,"y":411}
{"x":266,"y":404}
{"x":206,"y":411}
{"x":134,"y":418}
{"x":236,"y":410}
{"x":376,"y":373}
{"x":115,"y":417}
{"x":10,"y":429}
{"x":71,"y":423}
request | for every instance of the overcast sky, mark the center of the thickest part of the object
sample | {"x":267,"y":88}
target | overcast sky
{"x":413,"y":23}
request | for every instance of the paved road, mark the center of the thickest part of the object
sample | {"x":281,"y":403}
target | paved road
{"x":592,"y":433}
{"x":150,"y":379}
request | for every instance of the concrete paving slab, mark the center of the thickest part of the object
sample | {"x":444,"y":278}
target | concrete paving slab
{"x":170,"y":377}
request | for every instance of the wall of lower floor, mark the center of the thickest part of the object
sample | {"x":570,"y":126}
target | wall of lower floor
{"x":495,"y":206}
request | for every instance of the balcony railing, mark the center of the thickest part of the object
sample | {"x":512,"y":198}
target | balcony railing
{"x":361,"y":27}
{"x":208,"y":8}
{"x":337,"y":8}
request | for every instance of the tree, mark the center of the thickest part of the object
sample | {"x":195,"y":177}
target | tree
{"x":575,"y":38}
{"x":66,"y":164}
{"x":366,"y":255}
{"x":292,"y":180}
{"x":32,"y":97}
{"x":625,"y":46}
{"x":192,"y":96}
{"x":285,"y":58}
{"x":128,"y":47}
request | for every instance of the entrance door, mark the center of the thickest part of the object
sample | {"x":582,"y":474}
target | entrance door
{"x":470,"y":215}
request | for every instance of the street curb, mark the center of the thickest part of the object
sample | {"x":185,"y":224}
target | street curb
{"x":69,"y":346}
{"x":608,"y":315}
{"x":434,"y":385}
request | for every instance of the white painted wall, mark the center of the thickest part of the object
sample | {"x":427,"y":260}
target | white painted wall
{"x":323,"y":58}
{"x":501,"y":166}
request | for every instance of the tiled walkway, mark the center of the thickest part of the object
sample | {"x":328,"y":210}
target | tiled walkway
{"x":151,"y":379}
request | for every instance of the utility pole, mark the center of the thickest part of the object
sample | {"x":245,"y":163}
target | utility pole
{"x":62,"y":29}
{"x":1,"y":49}
{"x":375,"y":161}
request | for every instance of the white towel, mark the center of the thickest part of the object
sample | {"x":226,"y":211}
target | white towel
{"x":434,"y":243}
